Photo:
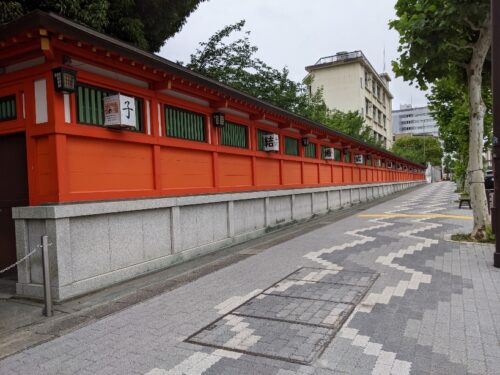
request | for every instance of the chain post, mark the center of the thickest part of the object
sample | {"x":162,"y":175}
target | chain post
{"x":46,"y":277}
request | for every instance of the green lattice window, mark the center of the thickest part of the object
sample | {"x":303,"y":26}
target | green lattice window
{"x":8,"y":108}
{"x":347,"y":156}
{"x":184,"y":124}
{"x":90,"y":106}
{"x":336,"y":154}
{"x":291,"y":146}
{"x":234,"y":135}
{"x":310,"y":150}
{"x":260,"y":139}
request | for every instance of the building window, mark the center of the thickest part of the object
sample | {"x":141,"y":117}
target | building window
{"x":374,"y":113}
{"x":234,"y":135}
{"x":90,"y":106}
{"x":8,"y":108}
{"x":184,"y":124}
{"x":291,"y":146}
{"x":385,"y":119}
{"x":347,"y":156}
{"x":310,"y":150}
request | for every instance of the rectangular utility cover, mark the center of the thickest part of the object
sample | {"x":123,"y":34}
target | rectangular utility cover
{"x":296,"y":310}
{"x":291,"y":342}
{"x":119,"y":111}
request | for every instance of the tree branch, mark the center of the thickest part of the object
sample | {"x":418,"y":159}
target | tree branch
{"x":456,"y":46}
{"x":471,"y":24}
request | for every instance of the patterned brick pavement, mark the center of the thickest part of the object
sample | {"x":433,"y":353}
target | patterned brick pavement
{"x":377,"y":294}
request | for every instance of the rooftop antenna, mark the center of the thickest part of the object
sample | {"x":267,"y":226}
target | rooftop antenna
{"x":383,"y":71}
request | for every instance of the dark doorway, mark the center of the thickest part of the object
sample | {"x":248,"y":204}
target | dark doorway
{"x":13,"y":191}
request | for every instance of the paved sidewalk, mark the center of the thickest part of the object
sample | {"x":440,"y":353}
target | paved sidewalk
{"x":382,"y":292}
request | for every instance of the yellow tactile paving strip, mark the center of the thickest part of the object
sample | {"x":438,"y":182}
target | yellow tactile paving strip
{"x":417,"y":216}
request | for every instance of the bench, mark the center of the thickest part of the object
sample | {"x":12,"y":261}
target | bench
{"x":464,"y":199}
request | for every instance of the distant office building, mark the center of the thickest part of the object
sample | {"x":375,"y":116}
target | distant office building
{"x":350,"y":83}
{"x":414,"y":121}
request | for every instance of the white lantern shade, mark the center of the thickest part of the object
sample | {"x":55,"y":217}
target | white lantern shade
{"x":119,"y":111}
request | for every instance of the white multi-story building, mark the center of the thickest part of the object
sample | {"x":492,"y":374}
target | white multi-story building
{"x":416,"y":121}
{"x":350,"y":83}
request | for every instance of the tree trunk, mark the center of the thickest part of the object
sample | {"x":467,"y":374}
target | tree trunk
{"x":477,"y":110}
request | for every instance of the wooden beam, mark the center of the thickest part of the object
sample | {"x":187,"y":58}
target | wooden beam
{"x":163,"y":85}
{"x":45,"y":45}
{"x":286,"y":125}
{"x":218,"y":104}
{"x":258,"y":117}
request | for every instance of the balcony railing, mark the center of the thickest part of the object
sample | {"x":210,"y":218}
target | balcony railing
{"x":340,"y":57}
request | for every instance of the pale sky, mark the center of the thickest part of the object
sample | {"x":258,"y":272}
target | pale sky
{"x":296,"y":33}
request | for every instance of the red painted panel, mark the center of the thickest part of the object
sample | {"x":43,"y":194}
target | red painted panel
{"x":46,"y":167}
{"x":363,"y":175}
{"x":338,"y":177}
{"x":267,"y":172}
{"x":310,"y":174}
{"x":100,"y":165}
{"x":292,"y":173}
{"x":235,"y":170}
{"x":183,"y":168}
{"x":356,"y":175}
{"x":325,"y":174}
{"x":347,"y":174}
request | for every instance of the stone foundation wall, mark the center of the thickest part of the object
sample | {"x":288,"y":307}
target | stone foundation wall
{"x":94,"y":245}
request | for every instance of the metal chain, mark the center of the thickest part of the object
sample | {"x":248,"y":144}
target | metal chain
{"x":23,"y":258}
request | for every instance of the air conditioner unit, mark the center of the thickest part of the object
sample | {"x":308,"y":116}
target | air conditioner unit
{"x":329,"y":154}
{"x":119,"y":112}
{"x":358,"y":159}
{"x":271,"y":142}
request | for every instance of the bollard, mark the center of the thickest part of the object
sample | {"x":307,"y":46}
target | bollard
{"x":46,"y":277}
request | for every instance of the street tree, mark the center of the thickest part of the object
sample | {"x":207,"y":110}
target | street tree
{"x":439,"y":38}
{"x":448,"y":103}
{"x":143,"y":23}
{"x":419,"y":149}
{"x":231,"y":59}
